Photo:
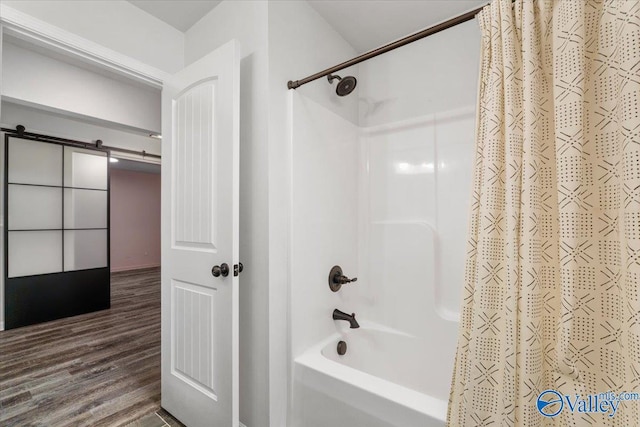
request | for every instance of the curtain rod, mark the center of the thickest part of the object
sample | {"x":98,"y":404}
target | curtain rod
{"x":21,"y":130}
{"x":388,"y":47}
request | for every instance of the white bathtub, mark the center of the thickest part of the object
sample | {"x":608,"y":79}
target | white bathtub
{"x":383,"y":380}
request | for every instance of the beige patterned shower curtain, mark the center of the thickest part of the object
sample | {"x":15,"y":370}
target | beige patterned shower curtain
{"x":552,"y":283}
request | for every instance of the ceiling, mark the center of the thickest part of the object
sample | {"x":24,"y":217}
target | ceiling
{"x":365,"y":24}
{"x":134,"y":166}
{"x":180,"y":14}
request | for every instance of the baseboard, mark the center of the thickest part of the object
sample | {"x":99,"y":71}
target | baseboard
{"x":134,"y":267}
{"x":1,"y":326}
{"x":241,"y":425}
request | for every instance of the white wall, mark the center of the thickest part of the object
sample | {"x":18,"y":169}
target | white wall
{"x":246,"y":21}
{"x":115,"y":24}
{"x":324,"y":219}
{"x":301,"y":43}
{"x":48,"y":123}
{"x":51,"y":83}
{"x":324,"y":229}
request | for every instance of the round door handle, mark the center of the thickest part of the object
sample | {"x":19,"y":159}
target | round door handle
{"x":237,"y":268}
{"x":220,"y":270}
{"x":216,"y":271}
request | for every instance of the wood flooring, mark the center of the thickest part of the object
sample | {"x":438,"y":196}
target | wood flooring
{"x":160,"y":418}
{"x":96,"y":369}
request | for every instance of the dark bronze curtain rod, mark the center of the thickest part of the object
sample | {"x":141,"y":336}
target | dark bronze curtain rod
{"x":21,"y":130}
{"x":391,"y":46}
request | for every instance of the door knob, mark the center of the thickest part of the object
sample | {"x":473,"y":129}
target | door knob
{"x":237,"y":268}
{"x":220,"y":270}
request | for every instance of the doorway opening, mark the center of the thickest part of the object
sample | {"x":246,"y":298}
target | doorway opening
{"x":103,"y":367}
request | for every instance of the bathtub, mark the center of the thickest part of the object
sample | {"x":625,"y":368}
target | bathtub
{"x":383,"y":380}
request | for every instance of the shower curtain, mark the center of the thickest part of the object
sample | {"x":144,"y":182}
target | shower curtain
{"x":552,"y":282}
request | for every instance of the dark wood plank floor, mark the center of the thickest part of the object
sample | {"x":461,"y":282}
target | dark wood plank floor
{"x":97,"y":369}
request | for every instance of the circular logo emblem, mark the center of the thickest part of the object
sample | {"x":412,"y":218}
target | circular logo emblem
{"x":550,"y":403}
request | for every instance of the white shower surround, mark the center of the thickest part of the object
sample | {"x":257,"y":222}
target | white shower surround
{"x":387,"y":201}
{"x":356,"y":203}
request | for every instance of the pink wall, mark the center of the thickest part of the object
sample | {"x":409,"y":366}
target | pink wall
{"x":135,"y":220}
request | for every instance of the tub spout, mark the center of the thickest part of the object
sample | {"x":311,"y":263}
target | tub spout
{"x":351,"y":318}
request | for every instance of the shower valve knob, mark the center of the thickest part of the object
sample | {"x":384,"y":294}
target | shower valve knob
{"x":343,"y":280}
{"x":337,"y":278}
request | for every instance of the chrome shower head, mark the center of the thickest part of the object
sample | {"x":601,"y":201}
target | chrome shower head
{"x":345,"y":86}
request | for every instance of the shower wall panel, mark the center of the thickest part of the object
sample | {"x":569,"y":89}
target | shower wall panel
{"x":324,"y":218}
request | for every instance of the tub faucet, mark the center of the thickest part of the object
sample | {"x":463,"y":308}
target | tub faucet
{"x":351,"y":318}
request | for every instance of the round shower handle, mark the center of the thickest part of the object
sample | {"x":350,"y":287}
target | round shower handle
{"x":337,"y":279}
{"x":343,"y":280}
{"x":220,"y":270}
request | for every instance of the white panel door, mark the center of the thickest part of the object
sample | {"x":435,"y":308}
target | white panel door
{"x":200,"y":149}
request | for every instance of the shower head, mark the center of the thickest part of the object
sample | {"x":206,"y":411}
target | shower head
{"x":345,"y":86}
